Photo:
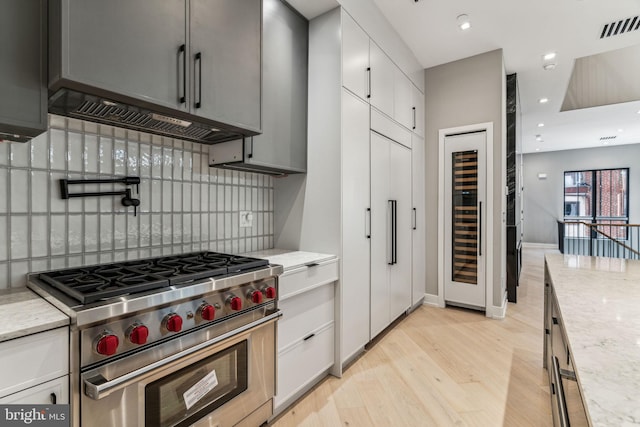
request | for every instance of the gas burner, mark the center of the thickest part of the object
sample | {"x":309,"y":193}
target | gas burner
{"x":101,"y":282}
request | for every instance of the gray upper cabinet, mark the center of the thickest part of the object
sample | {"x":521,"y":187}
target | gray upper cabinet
{"x":225,"y":51}
{"x":282,"y":146}
{"x":121,"y":46}
{"x":283,"y":142}
{"x":23,"y":100}
{"x":196,"y":58}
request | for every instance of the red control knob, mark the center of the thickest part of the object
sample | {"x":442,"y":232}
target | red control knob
{"x":139,"y":334}
{"x":235,"y":303}
{"x":107,"y":345}
{"x":207,"y":312}
{"x":270,"y":292}
{"x":255,"y":297}
{"x":173,"y":322}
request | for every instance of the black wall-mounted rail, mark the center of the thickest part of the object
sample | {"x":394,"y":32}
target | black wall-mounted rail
{"x":127,"y":200}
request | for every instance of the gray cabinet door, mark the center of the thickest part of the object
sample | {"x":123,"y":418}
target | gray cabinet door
{"x":128,"y":47}
{"x":225,"y":55}
{"x":283,"y":143}
{"x":23,"y":92}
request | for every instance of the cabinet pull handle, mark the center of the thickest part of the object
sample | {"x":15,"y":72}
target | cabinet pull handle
{"x":198,"y":59}
{"x":414,"y":118}
{"x":250,"y":155}
{"x":308,"y":337}
{"x":415,"y":219}
{"x":395,"y":231}
{"x":313,"y":264}
{"x":560,"y":400}
{"x":368,"y":82}
{"x":182,"y":52}
{"x":53,"y":398}
{"x":391,"y":248}
{"x":367,"y":223}
{"x":480,"y":230}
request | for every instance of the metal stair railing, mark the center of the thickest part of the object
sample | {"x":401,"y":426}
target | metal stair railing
{"x":612,"y":240}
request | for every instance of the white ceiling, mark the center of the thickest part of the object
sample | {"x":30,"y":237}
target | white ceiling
{"x":525,"y":30}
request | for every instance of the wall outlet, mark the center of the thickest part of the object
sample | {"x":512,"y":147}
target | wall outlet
{"x":246,"y":219}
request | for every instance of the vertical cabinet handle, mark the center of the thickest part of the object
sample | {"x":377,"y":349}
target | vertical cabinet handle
{"x":480,"y":230}
{"x":54,"y":398}
{"x":367,"y":223}
{"x":414,"y":117}
{"x":392,"y":237}
{"x":368,"y":82}
{"x":182,"y":52}
{"x":198,"y":59}
{"x":250,"y":154}
{"x":393,"y":204}
{"x":415,"y":219}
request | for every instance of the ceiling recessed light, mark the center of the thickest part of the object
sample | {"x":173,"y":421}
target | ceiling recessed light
{"x":540,"y":125}
{"x":549,"y":56}
{"x":620,"y":130}
{"x":463,"y":22}
{"x":549,"y":67}
{"x":539,"y":138}
{"x":543,"y":100}
{"x":537,"y":149}
{"x":638,"y":111}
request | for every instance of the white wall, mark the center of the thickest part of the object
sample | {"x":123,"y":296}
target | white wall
{"x":543,"y":198}
{"x":460,"y":93}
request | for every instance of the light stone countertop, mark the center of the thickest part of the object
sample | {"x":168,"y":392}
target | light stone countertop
{"x":290,"y":259}
{"x":599,"y":302}
{"x":22,"y":313}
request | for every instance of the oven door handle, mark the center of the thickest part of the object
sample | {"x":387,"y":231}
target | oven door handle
{"x":98,"y":387}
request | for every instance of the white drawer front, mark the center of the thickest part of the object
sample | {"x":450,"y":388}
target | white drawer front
{"x":33,"y":359}
{"x":304,"y":313}
{"x":299,"y":365}
{"x":42,"y":394}
{"x":299,"y":280}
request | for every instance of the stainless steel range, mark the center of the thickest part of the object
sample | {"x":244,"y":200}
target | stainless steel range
{"x":172,"y":341}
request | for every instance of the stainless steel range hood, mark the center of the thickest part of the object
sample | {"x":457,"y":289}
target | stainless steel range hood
{"x":130,"y":113}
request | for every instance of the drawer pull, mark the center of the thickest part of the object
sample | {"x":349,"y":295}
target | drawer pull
{"x":53,"y":398}
{"x":555,"y":320}
{"x":313,"y":264}
{"x":308,"y":337}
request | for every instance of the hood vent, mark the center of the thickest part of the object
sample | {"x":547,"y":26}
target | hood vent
{"x":608,"y":138}
{"x":620,"y":27}
{"x":171,"y":123}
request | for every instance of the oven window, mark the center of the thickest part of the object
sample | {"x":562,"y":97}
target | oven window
{"x":187,"y":395}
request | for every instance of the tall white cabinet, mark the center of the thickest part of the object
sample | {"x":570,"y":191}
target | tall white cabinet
{"x":390,"y":231}
{"x":359,"y":158}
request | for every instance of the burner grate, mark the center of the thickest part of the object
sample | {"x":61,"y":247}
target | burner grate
{"x":100,"y":282}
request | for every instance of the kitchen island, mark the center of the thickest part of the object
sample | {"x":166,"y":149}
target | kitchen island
{"x":595,"y":303}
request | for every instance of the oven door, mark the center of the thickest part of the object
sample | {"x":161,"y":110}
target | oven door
{"x":217,"y":383}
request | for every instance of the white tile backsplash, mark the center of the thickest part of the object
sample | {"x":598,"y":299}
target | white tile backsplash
{"x":185,"y":205}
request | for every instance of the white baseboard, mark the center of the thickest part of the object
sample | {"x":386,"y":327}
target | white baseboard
{"x":539,"y":245}
{"x":430,"y":299}
{"x":495,"y":312}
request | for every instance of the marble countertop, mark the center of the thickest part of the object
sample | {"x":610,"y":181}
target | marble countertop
{"x":599,"y":302}
{"x":22,"y":313}
{"x":291,"y":259}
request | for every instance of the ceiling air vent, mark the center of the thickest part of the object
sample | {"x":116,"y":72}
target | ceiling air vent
{"x":608,"y":138}
{"x":620,"y":27}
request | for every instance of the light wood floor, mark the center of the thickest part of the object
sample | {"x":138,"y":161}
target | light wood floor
{"x":444,"y":367}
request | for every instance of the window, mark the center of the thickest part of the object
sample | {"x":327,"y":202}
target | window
{"x":598,"y":196}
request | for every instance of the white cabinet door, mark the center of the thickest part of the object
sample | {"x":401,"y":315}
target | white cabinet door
{"x":419,"y":234}
{"x":54,"y":391}
{"x":418,"y":111}
{"x":381,"y":251}
{"x":355,"y":224}
{"x":400,"y":193}
{"x":382,"y":76}
{"x":402,"y":98}
{"x":355,"y":57}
